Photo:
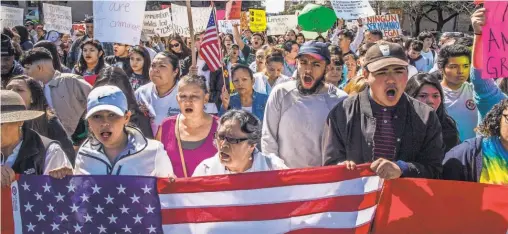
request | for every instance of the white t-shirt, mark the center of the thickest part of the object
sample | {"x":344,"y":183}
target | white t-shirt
{"x":247,"y":108}
{"x":462,"y":108}
{"x":158,"y":107}
{"x":261,"y":84}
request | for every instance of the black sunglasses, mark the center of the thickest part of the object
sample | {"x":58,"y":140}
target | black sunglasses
{"x":230,"y":140}
{"x":174,"y":45}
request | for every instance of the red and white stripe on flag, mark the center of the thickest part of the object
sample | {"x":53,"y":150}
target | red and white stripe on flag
{"x":315,"y":200}
{"x":210,"y":49}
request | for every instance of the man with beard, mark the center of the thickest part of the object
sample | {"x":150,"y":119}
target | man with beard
{"x":10,"y":67}
{"x":296,"y":110}
{"x":398,"y":134}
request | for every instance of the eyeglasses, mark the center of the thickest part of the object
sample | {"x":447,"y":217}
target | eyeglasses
{"x":174,"y":45}
{"x":230,"y":140}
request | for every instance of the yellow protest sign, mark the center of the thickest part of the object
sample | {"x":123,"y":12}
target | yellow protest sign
{"x":257,"y":22}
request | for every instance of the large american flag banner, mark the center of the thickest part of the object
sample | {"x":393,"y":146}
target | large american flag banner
{"x":210,"y":47}
{"x":315,"y":200}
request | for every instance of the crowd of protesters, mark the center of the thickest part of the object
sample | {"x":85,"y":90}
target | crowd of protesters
{"x":411,"y":107}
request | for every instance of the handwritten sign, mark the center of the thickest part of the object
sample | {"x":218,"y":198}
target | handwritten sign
{"x":495,"y":40}
{"x":200,"y":17}
{"x":118,"y":21}
{"x":57,"y":18}
{"x":279,"y":25}
{"x":388,"y":24}
{"x":11,"y":17}
{"x":352,"y":9}
{"x":257,"y":22}
{"x":226,"y":26}
{"x":157,"y":23}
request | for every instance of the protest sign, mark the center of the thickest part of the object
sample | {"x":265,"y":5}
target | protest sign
{"x":279,"y":25}
{"x":352,"y":9}
{"x":233,"y":9}
{"x":388,"y":24}
{"x":11,"y":17}
{"x":157,"y":23}
{"x":257,"y":22}
{"x":118,"y":21}
{"x":495,"y":40}
{"x":275,"y":6}
{"x":226,"y":26}
{"x":220,"y":14}
{"x":58,"y":18}
{"x":200,"y":17}
{"x":244,"y":20}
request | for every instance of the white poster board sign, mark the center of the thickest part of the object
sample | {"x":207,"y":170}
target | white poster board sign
{"x":226,"y":26}
{"x":11,"y":17}
{"x":280,"y":24}
{"x":157,"y":23}
{"x":57,"y":18}
{"x":275,"y":6}
{"x":118,"y":21}
{"x":200,"y":17}
{"x":352,"y":9}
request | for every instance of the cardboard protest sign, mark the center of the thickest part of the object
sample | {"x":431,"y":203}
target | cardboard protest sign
{"x":244,"y":20}
{"x":118,"y":21}
{"x":57,"y":18}
{"x":233,"y":9}
{"x":275,"y":6}
{"x":280,"y":24}
{"x":200,"y":17}
{"x":495,"y":40}
{"x":352,"y":9}
{"x":257,"y":22}
{"x":157,"y":23}
{"x":11,"y":17}
{"x":226,"y":26}
{"x":388,"y":24}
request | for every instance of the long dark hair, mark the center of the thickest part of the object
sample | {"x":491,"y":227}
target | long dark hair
{"x":54,"y":53}
{"x":23,"y":33}
{"x":146,"y":61}
{"x":81,"y":66}
{"x":413,"y":87}
{"x":185,"y":50}
{"x":117,"y":77}
{"x":491,"y":124}
{"x":39,"y":103}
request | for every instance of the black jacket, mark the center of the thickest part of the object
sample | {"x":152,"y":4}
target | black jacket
{"x":216,"y":81}
{"x":465,"y":161}
{"x":32,"y":154}
{"x":349,"y":135}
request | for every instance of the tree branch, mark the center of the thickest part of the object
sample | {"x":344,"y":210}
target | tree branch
{"x":426,"y":16}
{"x":450,"y":17}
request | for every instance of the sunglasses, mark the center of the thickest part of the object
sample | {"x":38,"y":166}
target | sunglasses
{"x":174,"y":45}
{"x":230,"y":140}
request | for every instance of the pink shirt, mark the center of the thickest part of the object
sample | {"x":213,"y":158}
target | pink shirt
{"x":192,"y":157}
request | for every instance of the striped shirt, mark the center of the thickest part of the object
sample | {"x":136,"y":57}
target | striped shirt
{"x":384,"y":136}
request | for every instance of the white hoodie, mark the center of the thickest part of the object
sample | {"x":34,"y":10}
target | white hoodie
{"x":144,"y":158}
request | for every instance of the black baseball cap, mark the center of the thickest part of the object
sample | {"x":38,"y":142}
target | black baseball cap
{"x":384,"y":54}
{"x":318,"y":50}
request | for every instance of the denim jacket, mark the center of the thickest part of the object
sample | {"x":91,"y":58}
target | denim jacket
{"x":258,"y":104}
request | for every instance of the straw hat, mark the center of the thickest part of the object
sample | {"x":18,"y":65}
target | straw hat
{"x":12,"y":108}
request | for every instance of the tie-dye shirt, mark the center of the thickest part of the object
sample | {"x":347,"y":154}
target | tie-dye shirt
{"x":495,"y":162}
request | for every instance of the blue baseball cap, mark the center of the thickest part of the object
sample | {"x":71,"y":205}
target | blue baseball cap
{"x":107,"y":97}
{"x":318,"y":50}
